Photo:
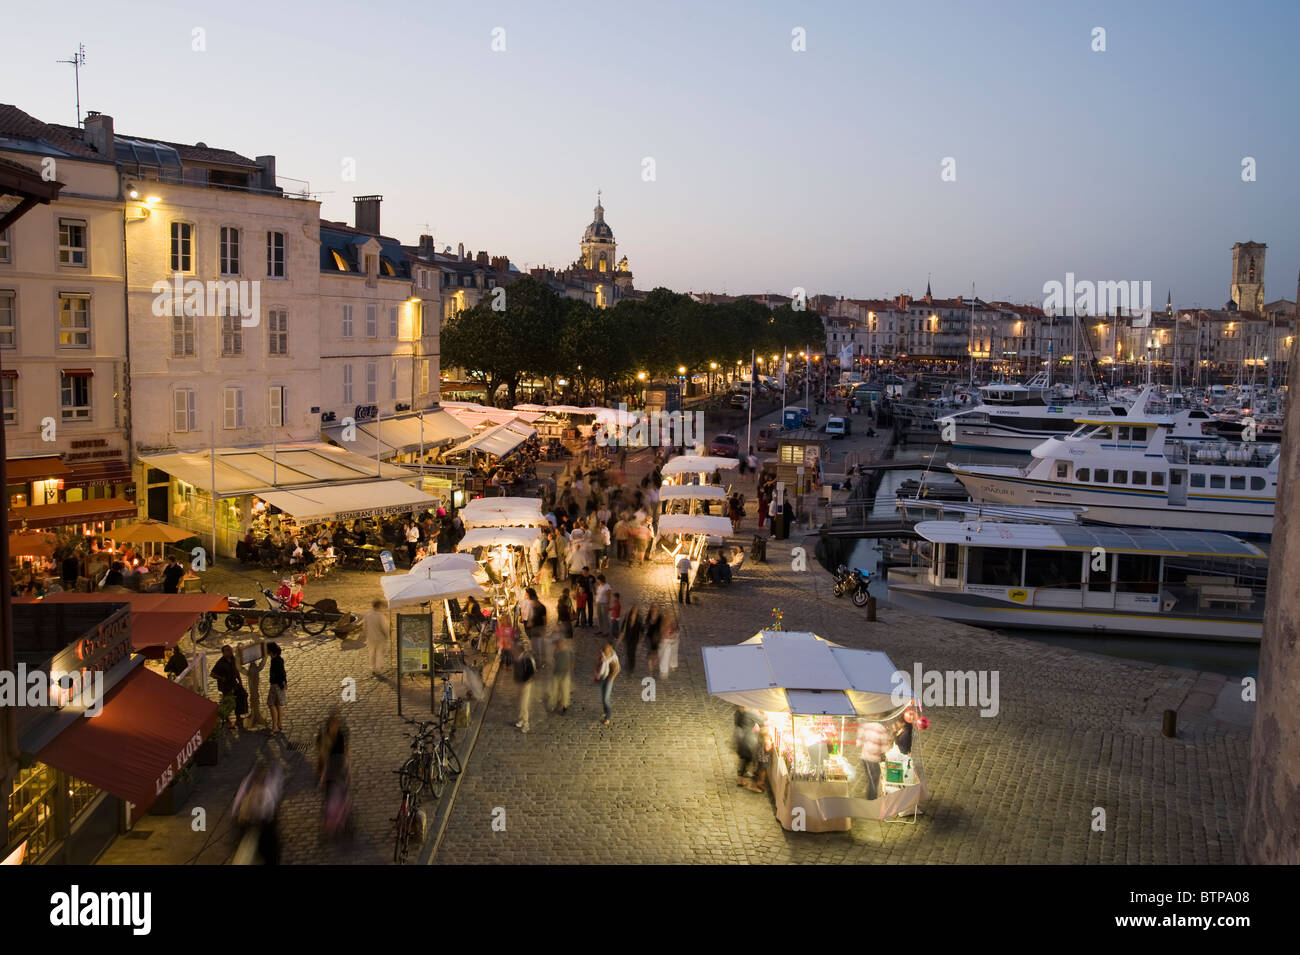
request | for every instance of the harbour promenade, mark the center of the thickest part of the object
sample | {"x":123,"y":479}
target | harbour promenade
{"x":1074,"y":733}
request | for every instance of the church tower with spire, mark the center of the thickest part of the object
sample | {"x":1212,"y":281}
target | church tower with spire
{"x":598,"y":244}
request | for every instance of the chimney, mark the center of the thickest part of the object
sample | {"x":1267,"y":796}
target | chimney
{"x":367,"y":213}
{"x":99,"y":133}
{"x":460,"y":251}
{"x":267,"y":179}
{"x":426,"y":245}
{"x":500,"y":263}
{"x":482,"y":258}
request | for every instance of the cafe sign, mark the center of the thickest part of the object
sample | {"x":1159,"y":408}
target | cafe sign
{"x":375,"y":511}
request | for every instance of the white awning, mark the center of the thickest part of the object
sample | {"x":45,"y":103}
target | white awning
{"x":242,"y":471}
{"x":799,"y":672}
{"x":713,"y":525}
{"x":498,"y":441}
{"x":696,"y":492}
{"x":400,"y":435}
{"x":697,"y":463}
{"x":436,"y":563}
{"x":343,"y":502}
{"x":503,"y":512}
{"x":405,"y":590}
{"x":493,"y":536}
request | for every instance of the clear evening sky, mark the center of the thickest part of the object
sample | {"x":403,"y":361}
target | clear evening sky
{"x":774,"y":168}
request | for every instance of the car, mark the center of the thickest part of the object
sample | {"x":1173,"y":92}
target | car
{"x":725,"y":445}
{"x":837,"y":427}
{"x":739,"y":400}
{"x":768,"y":437}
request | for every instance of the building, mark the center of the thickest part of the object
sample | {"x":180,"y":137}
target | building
{"x":596,"y":277}
{"x":63,"y":329}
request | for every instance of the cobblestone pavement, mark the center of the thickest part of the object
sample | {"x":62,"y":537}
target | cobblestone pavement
{"x":1074,"y":732}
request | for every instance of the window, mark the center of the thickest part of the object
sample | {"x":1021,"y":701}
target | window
{"x":277,"y":406}
{"x":1237,"y":482}
{"x":1123,"y":432}
{"x":1140,"y":478}
{"x":182,"y":252}
{"x":339,"y":262}
{"x":1198,"y":480}
{"x":347,"y":384}
{"x":1062,"y":469}
{"x":1099,"y":580}
{"x":1158,"y":479}
{"x":1257,"y":484}
{"x":1138,"y":574}
{"x":1059,"y":570}
{"x":1120,"y":477}
{"x":347,"y":321}
{"x":8,"y":318}
{"x":424,"y":377}
{"x":76,"y":396}
{"x":74,"y":320}
{"x":1082,"y":474}
{"x":1101,"y":476}
{"x":229,"y":250}
{"x":392,"y":382}
{"x":9,"y":398}
{"x":392,"y":322}
{"x":372,"y":321}
{"x":72,"y":242}
{"x":275,"y":255}
{"x":232,"y":336}
{"x":277,"y":330}
{"x":233,"y":404}
{"x":1139,"y":434}
{"x":372,"y":383}
{"x":995,"y":566}
{"x":182,"y":336}
{"x":183,"y":413}
{"x":1217,"y":481}
{"x":4,"y":246}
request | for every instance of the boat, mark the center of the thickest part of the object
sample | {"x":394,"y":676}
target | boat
{"x":1132,"y":470}
{"x":1017,"y":418}
{"x":1139,"y":581}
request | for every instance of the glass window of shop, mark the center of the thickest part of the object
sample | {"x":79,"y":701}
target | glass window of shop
{"x":44,"y":804}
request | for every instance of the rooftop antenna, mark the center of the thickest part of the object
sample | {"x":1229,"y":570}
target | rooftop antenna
{"x":77,"y":60}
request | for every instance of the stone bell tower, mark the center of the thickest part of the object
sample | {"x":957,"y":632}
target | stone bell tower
{"x":1248,"y":276}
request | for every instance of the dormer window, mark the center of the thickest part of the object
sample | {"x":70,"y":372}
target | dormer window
{"x":340,"y":262}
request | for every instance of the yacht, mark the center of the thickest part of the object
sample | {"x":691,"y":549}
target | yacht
{"x":1134,"y":470}
{"x":1017,"y":418}
{"x":1074,"y":577}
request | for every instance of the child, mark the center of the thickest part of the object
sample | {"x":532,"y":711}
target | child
{"x":615,"y":616}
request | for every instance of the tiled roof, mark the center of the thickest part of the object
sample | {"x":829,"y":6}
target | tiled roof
{"x":16,"y":124}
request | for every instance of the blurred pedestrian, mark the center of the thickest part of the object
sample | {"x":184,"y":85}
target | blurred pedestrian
{"x":275,"y":695}
{"x":607,"y":669}
{"x":375,"y":627}
{"x":562,"y":677}
{"x":525,"y":670}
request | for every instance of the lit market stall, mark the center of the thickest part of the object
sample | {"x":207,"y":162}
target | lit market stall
{"x":692,"y":498}
{"x":693,"y":533}
{"x":695,"y":468}
{"x":839,"y":722}
{"x":503,"y":553}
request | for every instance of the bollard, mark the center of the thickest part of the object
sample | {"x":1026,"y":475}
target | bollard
{"x":1169,"y":725}
{"x":871,"y":609}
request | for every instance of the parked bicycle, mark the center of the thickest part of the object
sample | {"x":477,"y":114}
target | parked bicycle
{"x":280,"y":617}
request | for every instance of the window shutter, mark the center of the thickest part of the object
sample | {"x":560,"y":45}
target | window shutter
{"x":229,"y":397}
{"x":190,"y":401}
{"x":392,"y":322}
{"x":277,"y":406}
{"x":180,"y":410}
{"x":239,"y":408}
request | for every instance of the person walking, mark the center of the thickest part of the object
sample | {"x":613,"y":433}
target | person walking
{"x":607,"y":669}
{"x":603,"y":592}
{"x":587,"y":588}
{"x":525,"y":671}
{"x":564,"y":614}
{"x":615,"y":616}
{"x":632,"y":628}
{"x":375,"y":627}
{"x":668,"y":644}
{"x":562,"y":677}
{"x":412,"y":541}
{"x":333,"y":750}
{"x":684,"y":579}
{"x":275,"y":695}
{"x":653,"y":631}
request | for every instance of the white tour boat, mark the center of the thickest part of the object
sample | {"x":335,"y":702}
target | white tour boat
{"x":1074,"y":577}
{"x":1133,"y":471}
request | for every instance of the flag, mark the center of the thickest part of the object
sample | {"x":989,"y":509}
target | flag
{"x":846,"y":357}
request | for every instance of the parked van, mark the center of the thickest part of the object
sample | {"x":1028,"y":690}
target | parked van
{"x":768,"y":436}
{"x":837,"y":427}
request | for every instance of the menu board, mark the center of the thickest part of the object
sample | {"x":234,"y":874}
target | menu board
{"x":414,"y":638}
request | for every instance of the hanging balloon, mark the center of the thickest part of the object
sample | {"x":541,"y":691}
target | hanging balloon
{"x":923,"y":723}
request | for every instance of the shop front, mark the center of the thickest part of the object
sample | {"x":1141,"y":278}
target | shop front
{"x":101,"y":738}
{"x":838,"y":726}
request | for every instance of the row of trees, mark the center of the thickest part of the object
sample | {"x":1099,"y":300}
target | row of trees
{"x":541,"y":334}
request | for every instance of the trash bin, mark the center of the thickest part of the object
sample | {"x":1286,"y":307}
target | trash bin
{"x":781,"y":526}
{"x":759,"y":551}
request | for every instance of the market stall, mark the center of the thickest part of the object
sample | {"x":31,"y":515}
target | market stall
{"x":692,"y":534}
{"x":690,"y":498}
{"x":503,"y":512}
{"x":695,"y":468}
{"x":503,"y":554}
{"x":839,"y":724}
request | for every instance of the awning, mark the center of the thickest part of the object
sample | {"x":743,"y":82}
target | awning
{"x":498,"y":441}
{"x":343,"y":502}
{"x":106,"y":471}
{"x":698,"y":463}
{"x":148,"y":730}
{"x":503,"y":512}
{"x":71,"y":512}
{"x":689,"y":492}
{"x":411,"y":590}
{"x":157,"y":620}
{"x":31,"y":545}
{"x":711,"y":524}
{"x":35,"y":469}
{"x":493,"y":536}
{"x":241,"y":471}
{"x":400,"y":435}
{"x":79,"y":372}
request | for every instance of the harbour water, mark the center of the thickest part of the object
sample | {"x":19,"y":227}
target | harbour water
{"x":1229,"y":659}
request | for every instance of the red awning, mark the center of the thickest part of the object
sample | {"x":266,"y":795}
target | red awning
{"x":8,"y":372}
{"x":79,"y":372}
{"x":71,"y":512}
{"x":34,"y":469}
{"x":148,"y":730}
{"x":106,"y":471}
{"x":157,"y":620}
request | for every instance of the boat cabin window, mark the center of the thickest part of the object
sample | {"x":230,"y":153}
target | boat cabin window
{"x":1216,"y":480}
{"x":1139,"y":434}
{"x":1198,"y":479}
{"x":1257,"y":484}
{"x":1101,"y":476}
{"x":1120,"y":477}
{"x":1238,"y":482}
{"x":1082,"y":474}
{"x":1123,"y":432}
{"x":1157,"y":479}
{"x":1099,"y":580}
{"x":1140,"y":478}
{"x":1138,"y":574}
{"x":995,"y":566}
{"x":951,"y":561}
{"x":1057,"y":569}
{"x":1062,"y":469}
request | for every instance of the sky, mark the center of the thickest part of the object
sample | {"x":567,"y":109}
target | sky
{"x":770,"y":167}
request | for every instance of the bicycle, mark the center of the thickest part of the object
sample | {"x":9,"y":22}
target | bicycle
{"x":404,"y":825}
{"x":278,"y":618}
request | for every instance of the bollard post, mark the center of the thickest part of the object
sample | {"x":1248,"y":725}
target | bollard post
{"x":871,"y":609}
{"x":1169,"y":725}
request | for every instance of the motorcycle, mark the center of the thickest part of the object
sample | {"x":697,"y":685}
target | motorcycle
{"x":859,"y":584}
{"x":843,"y":580}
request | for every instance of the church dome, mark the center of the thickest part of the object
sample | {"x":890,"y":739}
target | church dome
{"x":599,"y":229}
